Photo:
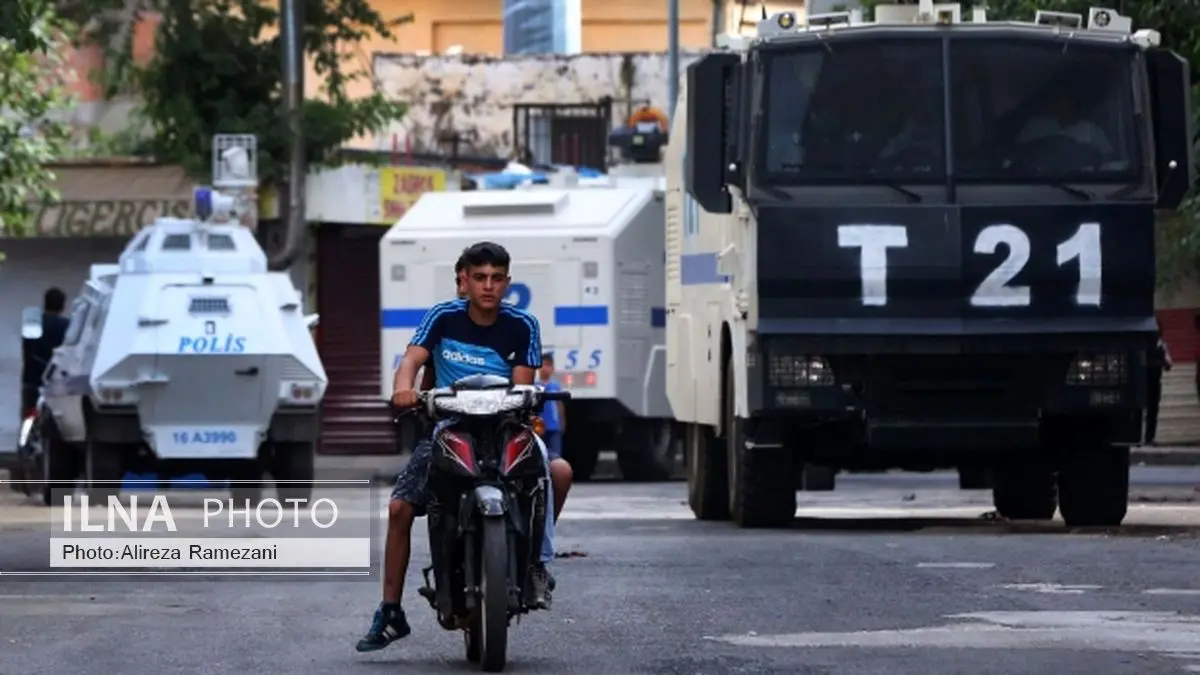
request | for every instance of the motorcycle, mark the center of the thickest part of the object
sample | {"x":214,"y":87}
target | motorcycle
{"x":488,"y":484}
{"x":29,"y":472}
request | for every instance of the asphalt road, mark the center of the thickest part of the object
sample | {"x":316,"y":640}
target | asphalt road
{"x":888,"y":575}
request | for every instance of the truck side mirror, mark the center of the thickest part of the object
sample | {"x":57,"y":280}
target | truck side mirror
{"x":31,"y":323}
{"x":1171,"y":106}
{"x":713,"y":106}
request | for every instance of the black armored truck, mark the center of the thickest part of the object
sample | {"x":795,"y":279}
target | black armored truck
{"x":917,"y":243}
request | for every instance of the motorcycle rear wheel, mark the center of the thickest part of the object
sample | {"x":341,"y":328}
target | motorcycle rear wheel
{"x":492,"y":610}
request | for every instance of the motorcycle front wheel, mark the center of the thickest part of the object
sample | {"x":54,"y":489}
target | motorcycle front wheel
{"x":492,"y":610}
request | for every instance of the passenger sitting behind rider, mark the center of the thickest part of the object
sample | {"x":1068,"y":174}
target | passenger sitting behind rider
{"x":473,"y":336}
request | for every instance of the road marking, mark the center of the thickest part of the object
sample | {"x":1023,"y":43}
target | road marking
{"x":956,"y":565}
{"x":1067,"y":589}
{"x":1172,"y":591}
{"x":1165,"y":633}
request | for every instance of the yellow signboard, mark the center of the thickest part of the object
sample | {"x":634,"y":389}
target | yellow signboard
{"x":401,"y":186}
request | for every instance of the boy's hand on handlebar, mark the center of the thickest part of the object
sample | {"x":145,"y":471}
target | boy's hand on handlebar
{"x":405,"y":398}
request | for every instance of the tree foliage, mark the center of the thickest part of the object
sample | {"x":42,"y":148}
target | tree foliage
{"x":1178,"y":21}
{"x":31,"y":90}
{"x":218,"y":68}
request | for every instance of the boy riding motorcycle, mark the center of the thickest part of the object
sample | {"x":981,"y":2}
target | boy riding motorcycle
{"x":467,"y":336}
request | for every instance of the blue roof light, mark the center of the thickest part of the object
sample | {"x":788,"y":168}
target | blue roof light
{"x":203,"y":199}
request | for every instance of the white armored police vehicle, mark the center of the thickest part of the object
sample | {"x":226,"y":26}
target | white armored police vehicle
{"x":587,"y":262}
{"x":920,"y":243}
{"x":186,"y":356}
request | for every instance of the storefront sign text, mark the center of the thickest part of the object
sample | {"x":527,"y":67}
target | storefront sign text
{"x":401,"y":187}
{"x":106,"y":217}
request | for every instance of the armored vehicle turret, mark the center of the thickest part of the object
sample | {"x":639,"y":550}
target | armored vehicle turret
{"x":188,"y":355}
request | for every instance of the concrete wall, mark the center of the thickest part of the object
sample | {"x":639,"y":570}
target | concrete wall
{"x":474,"y":95}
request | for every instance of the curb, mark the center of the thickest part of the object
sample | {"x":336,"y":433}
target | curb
{"x":1165,"y":457}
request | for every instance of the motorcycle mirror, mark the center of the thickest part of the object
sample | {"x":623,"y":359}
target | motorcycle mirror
{"x":31,"y":323}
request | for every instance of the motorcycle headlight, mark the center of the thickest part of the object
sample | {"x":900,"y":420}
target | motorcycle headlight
{"x":479,"y":402}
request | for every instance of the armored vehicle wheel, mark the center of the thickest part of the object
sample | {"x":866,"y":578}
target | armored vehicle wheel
{"x":247,"y":470}
{"x":1093,"y":486}
{"x":647,"y":450}
{"x":707,"y":474}
{"x":103,"y":470}
{"x":293,"y":462}
{"x":1024,"y":491}
{"x":60,"y":462}
{"x":761,"y":488}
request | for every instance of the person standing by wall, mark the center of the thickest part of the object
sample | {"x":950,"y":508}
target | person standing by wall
{"x":1159,"y":362}
{"x":36,"y":353}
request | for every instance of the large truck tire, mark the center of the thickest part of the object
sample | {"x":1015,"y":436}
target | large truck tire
{"x":817,"y":478}
{"x":61,"y":463}
{"x":1093,"y":486}
{"x":104,"y":468}
{"x":241,"y":491}
{"x":1024,"y":491}
{"x":707,"y":474}
{"x":761,"y":488}
{"x":973,"y":478}
{"x":647,"y":450}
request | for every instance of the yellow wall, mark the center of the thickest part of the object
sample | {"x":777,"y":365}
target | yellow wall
{"x":476,"y":25}
{"x":608,"y":25}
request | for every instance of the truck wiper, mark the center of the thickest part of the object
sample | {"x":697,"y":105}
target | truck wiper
{"x":909,"y":194}
{"x":1073,"y":191}
{"x":774,"y":192}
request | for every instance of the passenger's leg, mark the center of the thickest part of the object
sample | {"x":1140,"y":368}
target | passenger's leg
{"x":561,"y":474}
{"x":543,"y":582}
{"x":408,"y":501}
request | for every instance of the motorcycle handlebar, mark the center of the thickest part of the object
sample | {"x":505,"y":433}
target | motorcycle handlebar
{"x":424,"y":397}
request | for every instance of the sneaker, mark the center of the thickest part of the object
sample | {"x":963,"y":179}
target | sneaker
{"x":543,"y":585}
{"x":388,"y":625}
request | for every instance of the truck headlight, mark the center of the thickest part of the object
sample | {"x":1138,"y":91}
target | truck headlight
{"x":799,"y":371}
{"x":1098,"y":370}
{"x":115,"y":393}
{"x":300,"y":393}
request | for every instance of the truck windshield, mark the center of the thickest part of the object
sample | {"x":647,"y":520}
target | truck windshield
{"x":853,"y":112}
{"x":1029,"y":111}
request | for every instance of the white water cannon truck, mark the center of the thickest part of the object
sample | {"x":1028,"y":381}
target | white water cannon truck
{"x":587,"y":258}
{"x":916,"y":243}
{"x":188,"y":356}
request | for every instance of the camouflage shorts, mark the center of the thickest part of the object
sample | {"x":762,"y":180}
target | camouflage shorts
{"x":410,"y":482}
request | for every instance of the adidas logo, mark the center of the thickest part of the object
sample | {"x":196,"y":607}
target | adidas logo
{"x":459,"y":357}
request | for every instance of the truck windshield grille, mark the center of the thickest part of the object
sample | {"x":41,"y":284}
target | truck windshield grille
{"x":209,"y":306}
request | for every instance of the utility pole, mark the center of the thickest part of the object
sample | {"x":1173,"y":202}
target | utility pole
{"x":672,"y":57}
{"x":292,"y":39}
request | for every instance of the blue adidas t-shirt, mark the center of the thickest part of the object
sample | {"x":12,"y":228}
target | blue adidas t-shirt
{"x":461,"y":348}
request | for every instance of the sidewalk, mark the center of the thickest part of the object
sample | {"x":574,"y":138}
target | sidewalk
{"x":1166,"y":456}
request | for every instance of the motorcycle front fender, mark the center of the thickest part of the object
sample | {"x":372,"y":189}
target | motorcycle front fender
{"x":489,"y":501}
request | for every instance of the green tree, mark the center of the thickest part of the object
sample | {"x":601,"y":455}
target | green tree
{"x":1178,"y":234}
{"x":31,"y":90}
{"x":218,"y":68}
